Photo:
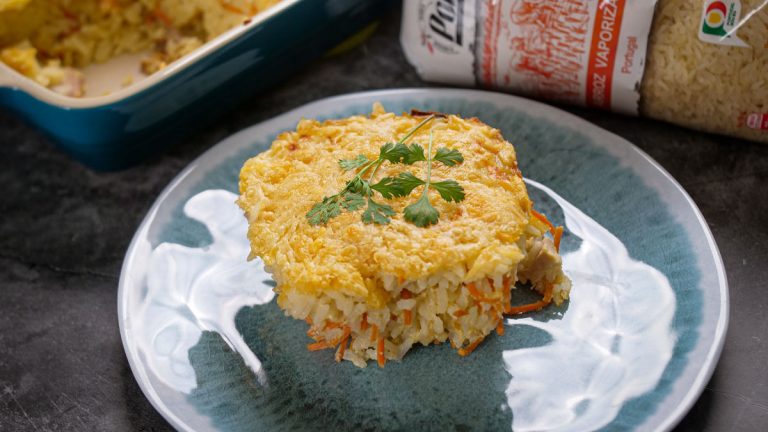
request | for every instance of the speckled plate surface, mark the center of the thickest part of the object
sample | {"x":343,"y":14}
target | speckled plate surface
{"x":632,"y":349}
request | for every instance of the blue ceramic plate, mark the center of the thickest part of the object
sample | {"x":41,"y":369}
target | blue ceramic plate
{"x":632,"y":349}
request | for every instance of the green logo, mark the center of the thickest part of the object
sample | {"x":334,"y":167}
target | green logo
{"x":719,"y":22}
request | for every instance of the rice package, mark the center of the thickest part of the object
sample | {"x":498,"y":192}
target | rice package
{"x":698,"y":63}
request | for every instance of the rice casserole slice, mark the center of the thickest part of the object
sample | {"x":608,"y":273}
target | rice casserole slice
{"x":370,"y":291}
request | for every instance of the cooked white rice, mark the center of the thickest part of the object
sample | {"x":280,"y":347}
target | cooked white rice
{"x":50,"y":40}
{"x":441,"y":307}
{"x":706,"y":86}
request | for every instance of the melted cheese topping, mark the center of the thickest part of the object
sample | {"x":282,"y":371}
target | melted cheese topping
{"x":481,"y":233}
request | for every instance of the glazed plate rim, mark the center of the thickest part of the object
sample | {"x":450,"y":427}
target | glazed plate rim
{"x":220,"y":151}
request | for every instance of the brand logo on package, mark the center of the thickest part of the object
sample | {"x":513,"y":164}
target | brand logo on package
{"x":719,"y":21}
{"x":442,"y":26}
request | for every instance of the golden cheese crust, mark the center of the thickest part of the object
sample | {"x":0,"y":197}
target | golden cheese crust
{"x":482,"y":232}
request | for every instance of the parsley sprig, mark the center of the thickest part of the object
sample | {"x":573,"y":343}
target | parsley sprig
{"x":360,"y":192}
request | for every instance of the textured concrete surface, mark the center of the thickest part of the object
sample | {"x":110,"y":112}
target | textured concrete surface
{"x":64,"y":230}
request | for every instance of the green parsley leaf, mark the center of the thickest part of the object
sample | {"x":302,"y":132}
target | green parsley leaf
{"x":352,"y":201}
{"x":358,"y":193}
{"x":415,"y":154}
{"x":393,"y":152}
{"x":387,"y":188}
{"x":449,"y":190}
{"x":421,"y":213}
{"x":407,"y":182}
{"x":325,"y":210}
{"x":377,"y":213}
{"x":399,"y":186}
{"x":359,"y":186}
{"x":448,"y":157}
{"x":350,"y":164}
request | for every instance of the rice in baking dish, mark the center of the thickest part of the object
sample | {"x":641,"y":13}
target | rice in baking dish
{"x":48,"y":40}
{"x":370,"y":291}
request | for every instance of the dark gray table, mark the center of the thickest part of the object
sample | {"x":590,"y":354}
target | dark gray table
{"x":64,"y":230}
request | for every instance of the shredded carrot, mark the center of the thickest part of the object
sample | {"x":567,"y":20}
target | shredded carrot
{"x":477,"y":295}
{"x":515,"y":310}
{"x":68,"y":14}
{"x":308,"y":319}
{"x":400,"y":280}
{"x":543,"y":218}
{"x":469,"y":348}
{"x":332,"y":325}
{"x":405,"y":294}
{"x":536,"y":305}
{"x":507,"y":294}
{"x":254,"y":10}
{"x":380,"y":353}
{"x":473,"y":291}
{"x":500,"y":327}
{"x":364,"y":322}
{"x":487,"y":300}
{"x":318,"y":346}
{"x":494,"y":311}
{"x":460,"y":313}
{"x":407,"y":316}
{"x":232,"y":8}
{"x":453,"y":345}
{"x":557,"y":234}
{"x":311,"y":332}
{"x":340,"y":352}
{"x":374,"y":332}
{"x":548,"y":292}
{"x":161,"y":15}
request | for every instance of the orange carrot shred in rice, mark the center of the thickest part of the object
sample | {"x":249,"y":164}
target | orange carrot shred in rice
{"x":536,"y":305}
{"x":332,"y":325}
{"x":318,"y":346}
{"x":469,"y":348}
{"x":500,"y":328}
{"x":374,"y":332}
{"x":543,"y":218}
{"x":340,"y":352}
{"x":308,"y":319}
{"x":548,"y":292}
{"x":515,"y":310}
{"x":473,"y":291}
{"x":380,"y":353}
{"x":557,"y":234}
{"x":453,"y":345}
{"x":460,"y":313}
{"x":407,"y":316}
{"x":364,"y":322}
{"x":232,"y":8}
{"x":487,"y":300}
{"x":507,"y":294}
{"x":162,"y":16}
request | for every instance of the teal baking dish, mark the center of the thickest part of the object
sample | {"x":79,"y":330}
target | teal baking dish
{"x":118,"y":130}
